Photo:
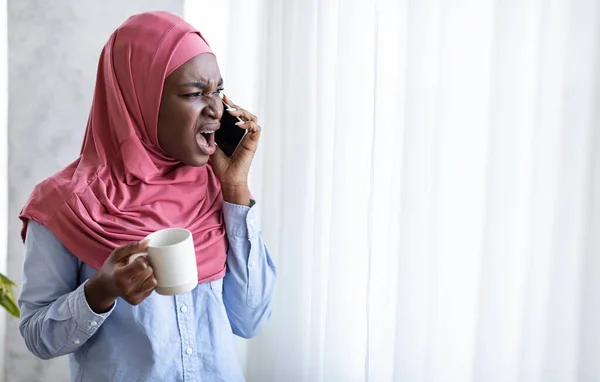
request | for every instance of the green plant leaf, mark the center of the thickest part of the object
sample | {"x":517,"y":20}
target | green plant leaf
{"x":7,"y":296}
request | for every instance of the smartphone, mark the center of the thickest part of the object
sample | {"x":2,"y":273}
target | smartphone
{"x":229,"y":136}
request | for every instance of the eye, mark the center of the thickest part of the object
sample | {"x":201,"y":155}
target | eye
{"x":192,"y":95}
{"x":201,"y":94}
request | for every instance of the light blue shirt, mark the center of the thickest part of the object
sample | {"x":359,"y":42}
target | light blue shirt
{"x":188,"y":337}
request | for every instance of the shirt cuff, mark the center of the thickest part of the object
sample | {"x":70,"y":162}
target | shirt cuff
{"x":86,"y":319}
{"x":241,"y":221}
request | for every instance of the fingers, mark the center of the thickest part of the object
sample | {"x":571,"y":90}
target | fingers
{"x":244,"y":115}
{"x":137,"y":270}
{"x":253,"y":135}
{"x":144,"y":281}
{"x":249,"y":144}
{"x":251,"y":126}
{"x":137,"y":281}
{"x":121,"y":253}
{"x":239,"y":112}
{"x":148,"y":285}
{"x":134,"y":281}
{"x":228,"y":102}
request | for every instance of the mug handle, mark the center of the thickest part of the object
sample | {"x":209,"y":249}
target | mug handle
{"x":136,"y":255}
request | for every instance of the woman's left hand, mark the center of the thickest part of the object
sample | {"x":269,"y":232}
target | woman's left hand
{"x":233,"y":172}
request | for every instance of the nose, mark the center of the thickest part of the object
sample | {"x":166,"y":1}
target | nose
{"x":214,"y":108}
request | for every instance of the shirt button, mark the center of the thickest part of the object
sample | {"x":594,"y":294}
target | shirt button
{"x":76,"y":342}
{"x":251,"y":221}
{"x":184,"y":308}
{"x":93,"y":323}
{"x":189,"y":351}
{"x":252,"y":264}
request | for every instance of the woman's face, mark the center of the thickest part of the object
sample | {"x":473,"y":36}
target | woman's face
{"x":190,"y":110}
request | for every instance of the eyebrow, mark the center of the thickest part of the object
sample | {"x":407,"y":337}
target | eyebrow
{"x":200,"y":84}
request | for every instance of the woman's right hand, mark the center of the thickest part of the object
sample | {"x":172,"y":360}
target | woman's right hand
{"x":133,"y":282}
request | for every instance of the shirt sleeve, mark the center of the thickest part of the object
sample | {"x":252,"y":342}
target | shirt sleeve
{"x":250,"y":278}
{"x":55,"y":316}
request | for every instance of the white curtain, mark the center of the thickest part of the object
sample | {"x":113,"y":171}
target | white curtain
{"x":428,"y":180}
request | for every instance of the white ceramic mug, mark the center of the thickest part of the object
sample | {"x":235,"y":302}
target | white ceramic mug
{"x":172,"y":256}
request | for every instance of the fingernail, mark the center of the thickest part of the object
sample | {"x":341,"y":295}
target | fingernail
{"x":239,"y":123}
{"x":231,"y":109}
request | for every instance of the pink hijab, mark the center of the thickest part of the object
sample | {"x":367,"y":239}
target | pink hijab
{"x":123,"y":186}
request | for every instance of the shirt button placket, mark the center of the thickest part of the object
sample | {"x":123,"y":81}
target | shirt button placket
{"x":187,"y":334}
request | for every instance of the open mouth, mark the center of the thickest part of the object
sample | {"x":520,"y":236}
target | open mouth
{"x":206,"y":140}
{"x":209,"y":138}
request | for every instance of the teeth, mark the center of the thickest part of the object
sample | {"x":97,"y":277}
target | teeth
{"x":206,"y":132}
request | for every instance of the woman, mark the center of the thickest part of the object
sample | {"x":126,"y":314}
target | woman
{"x":148,"y":162}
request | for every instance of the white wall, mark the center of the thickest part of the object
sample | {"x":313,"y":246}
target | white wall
{"x":3,"y":162}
